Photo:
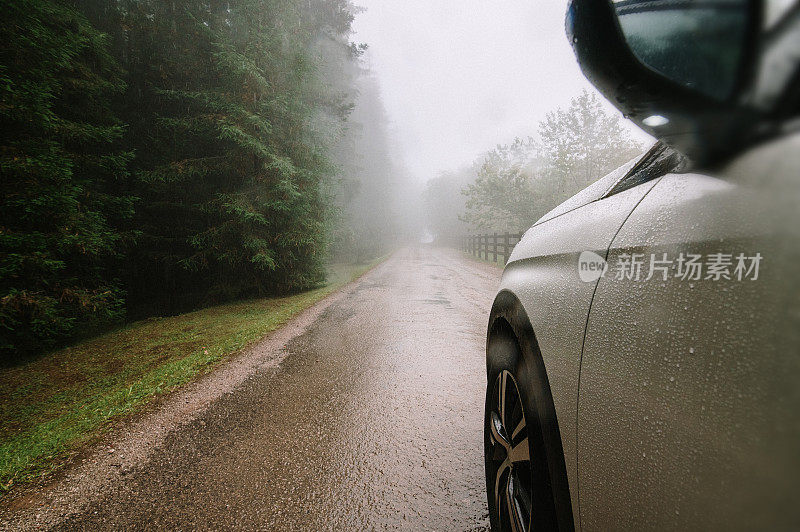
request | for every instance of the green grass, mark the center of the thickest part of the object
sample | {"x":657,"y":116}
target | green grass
{"x":53,"y":405}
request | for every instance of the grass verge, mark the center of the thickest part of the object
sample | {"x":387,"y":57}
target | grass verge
{"x":53,"y":405}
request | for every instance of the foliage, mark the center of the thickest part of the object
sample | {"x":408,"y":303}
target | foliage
{"x":582,"y":143}
{"x":61,"y":214}
{"x":160,"y":156}
{"x":231,"y":182}
{"x":502,"y":196}
{"x":518,"y":183}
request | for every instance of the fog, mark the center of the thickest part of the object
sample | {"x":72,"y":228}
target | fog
{"x":459,"y":77}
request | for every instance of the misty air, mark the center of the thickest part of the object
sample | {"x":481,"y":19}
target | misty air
{"x":399,"y":265}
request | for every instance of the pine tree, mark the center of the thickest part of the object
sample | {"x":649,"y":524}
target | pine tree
{"x":231,"y":111}
{"x":62,"y":172}
{"x":232,"y":164}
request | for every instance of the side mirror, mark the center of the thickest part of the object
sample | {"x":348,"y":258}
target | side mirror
{"x":678,"y":68}
{"x":698,"y":44}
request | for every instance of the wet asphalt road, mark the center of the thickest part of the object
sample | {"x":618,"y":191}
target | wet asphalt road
{"x":372,"y":421}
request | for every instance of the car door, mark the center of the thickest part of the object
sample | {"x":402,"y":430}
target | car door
{"x":688,"y":402}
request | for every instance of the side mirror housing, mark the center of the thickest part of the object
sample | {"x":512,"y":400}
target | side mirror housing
{"x":679,"y":69}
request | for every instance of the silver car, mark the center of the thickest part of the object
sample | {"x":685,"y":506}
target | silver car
{"x":643,"y":351}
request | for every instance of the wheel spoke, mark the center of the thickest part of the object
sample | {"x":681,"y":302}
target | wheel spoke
{"x":502,"y":396}
{"x":515,"y":517}
{"x":523,"y":499}
{"x":508,"y":438}
{"x":520,"y":452}
{"x":498,"y":432}
{"x":497,"y":487}
{"x":519,"y":428}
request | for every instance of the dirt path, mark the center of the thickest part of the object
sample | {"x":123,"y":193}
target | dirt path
{"x":364,"y":412}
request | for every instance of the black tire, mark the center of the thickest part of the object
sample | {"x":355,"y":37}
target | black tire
{"x":524,"y":463}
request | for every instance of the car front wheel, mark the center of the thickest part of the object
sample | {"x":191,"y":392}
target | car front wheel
{"x":508,"y":465}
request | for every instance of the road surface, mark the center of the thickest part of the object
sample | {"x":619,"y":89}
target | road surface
{"x":369,"y":416}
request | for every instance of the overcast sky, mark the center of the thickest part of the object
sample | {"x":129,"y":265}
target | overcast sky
{"x":460,"y":76}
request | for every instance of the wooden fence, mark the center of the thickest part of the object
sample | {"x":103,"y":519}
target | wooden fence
{"x":494,"y":245}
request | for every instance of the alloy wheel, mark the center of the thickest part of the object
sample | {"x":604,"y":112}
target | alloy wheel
{"x":509,"y":456}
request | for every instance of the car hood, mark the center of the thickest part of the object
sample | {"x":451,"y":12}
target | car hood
{"x":593,"y":192}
